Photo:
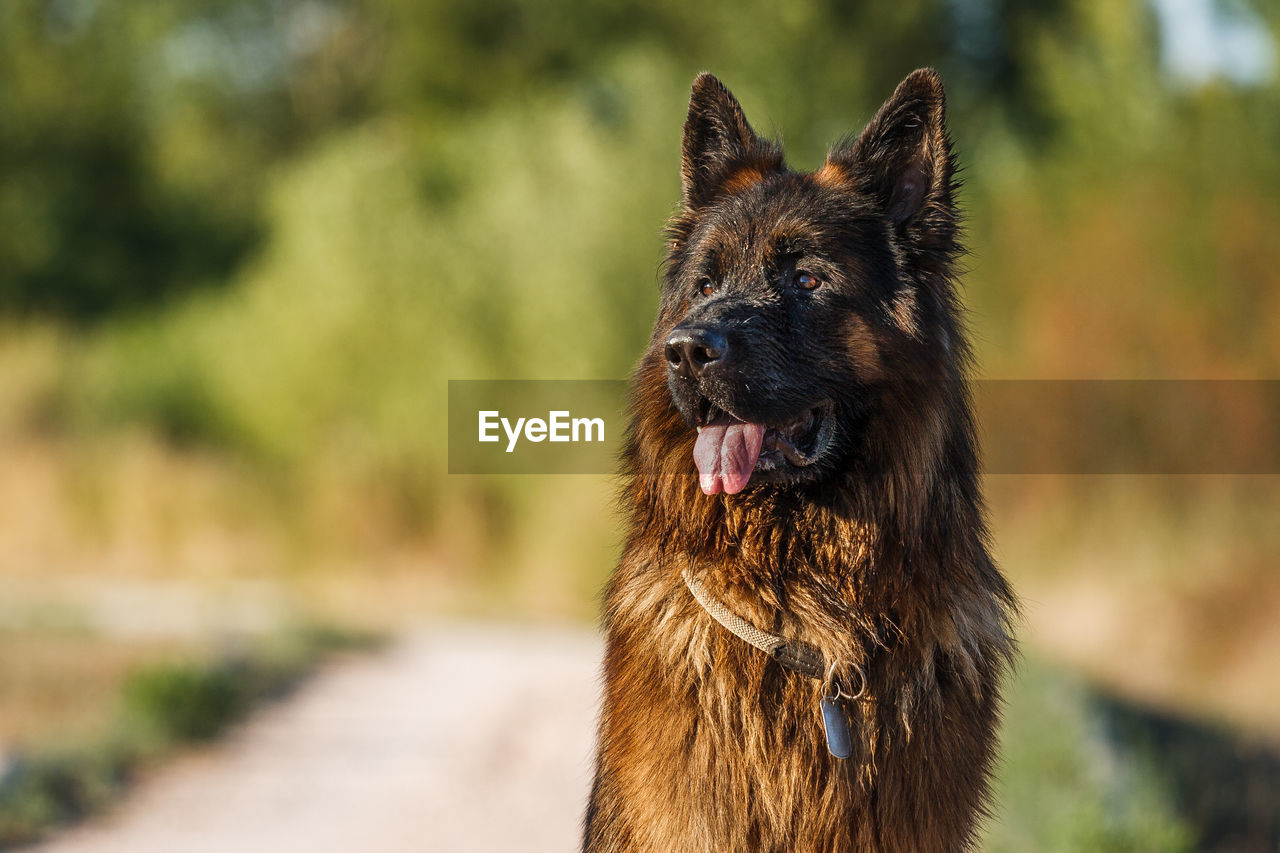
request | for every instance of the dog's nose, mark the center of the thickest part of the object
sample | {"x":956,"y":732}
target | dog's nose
{"x":691,"y":352}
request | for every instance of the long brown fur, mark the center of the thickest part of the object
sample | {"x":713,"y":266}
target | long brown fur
{"x":705,"y":743}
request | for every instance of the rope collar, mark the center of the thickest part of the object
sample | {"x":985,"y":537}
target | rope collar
{"x":796,"y":656}
{"x":792,"y":654}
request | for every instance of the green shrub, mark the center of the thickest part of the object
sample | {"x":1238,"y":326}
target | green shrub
{"x":186,"y":702}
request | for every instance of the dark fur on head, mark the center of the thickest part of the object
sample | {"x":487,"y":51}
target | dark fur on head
{"x":832,"y":292}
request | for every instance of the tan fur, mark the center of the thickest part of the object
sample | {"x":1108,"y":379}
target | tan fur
{"x":831,"y":174}
{"x":864,"y":349}
{"x":743,"y":178}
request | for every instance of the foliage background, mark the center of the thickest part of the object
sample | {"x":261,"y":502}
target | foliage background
{"x":245,"y":244}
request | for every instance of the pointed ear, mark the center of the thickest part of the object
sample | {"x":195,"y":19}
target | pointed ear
{"x":903,"y":156}
{"x":720,"y":149}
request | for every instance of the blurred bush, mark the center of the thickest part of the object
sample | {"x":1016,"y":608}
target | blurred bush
{"x":183,"y":703}
{"x":1060,"y":787}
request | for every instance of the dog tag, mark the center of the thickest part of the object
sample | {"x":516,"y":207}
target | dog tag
{"x":836,"y":724}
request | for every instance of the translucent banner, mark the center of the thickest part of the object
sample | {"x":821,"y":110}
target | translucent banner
{"x":1174,"y":427}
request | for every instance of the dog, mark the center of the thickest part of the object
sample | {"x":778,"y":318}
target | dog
{"x":806,"y":636}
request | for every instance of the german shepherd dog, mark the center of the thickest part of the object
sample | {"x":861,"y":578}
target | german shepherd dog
{"x":806,"y":640}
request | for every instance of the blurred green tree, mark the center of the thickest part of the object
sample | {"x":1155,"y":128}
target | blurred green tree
{"x":135,"y":138}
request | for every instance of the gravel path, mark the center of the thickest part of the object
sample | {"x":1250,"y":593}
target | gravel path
{"x":457,"y":739}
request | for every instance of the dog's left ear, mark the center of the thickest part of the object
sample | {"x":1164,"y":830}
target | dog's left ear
{"x":903,"y":156}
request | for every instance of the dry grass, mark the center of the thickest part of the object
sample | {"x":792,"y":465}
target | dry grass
{"x":1164,"y":589}
{"x":65,"y":684}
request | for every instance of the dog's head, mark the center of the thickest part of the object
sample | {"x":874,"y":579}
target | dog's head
{"x":791,"y":300}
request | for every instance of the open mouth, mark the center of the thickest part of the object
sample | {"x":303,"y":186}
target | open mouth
{"x":729,"y":451}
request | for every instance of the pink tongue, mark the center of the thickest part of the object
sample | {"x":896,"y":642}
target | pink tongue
{"x":726,"y":455}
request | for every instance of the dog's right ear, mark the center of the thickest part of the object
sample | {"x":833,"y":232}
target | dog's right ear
{"x":721,"y":151}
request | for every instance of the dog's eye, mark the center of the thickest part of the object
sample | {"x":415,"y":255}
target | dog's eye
{"x":706,"y":287}
{"x":807,"y":281}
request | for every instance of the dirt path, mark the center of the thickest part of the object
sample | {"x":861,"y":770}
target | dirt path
{"x":457,"y":739}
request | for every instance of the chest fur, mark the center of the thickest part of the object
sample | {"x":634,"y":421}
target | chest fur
{"x":704,"y":729}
